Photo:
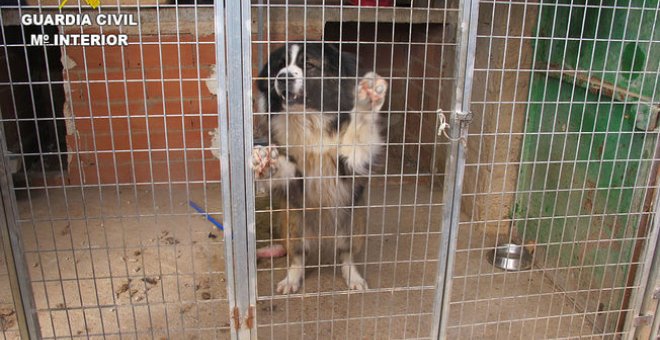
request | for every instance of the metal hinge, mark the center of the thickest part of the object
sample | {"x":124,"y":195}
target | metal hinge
{"x":248,"y":320}
{"x":643,"y":320}
{"x":236,"y":317}
{"x":464,"y":117}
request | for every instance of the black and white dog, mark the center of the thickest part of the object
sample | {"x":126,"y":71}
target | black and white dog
{"x":324,"y":123}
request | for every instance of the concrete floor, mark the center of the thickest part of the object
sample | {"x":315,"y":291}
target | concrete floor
{"x":126,"y":262}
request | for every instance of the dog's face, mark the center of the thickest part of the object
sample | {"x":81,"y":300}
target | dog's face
{"x":289,"y":80}
{"x":313,"y":74}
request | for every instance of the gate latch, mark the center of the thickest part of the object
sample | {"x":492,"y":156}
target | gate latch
{"x":463,"y":117}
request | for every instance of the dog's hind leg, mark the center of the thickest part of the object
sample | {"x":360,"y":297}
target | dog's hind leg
{"x":354,"y":280}
{"x":290,"y":224}
{"x":294,"y":275}
{"x":350,"y":245}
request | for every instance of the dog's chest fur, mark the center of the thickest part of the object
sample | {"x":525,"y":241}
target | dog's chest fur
{"x":305,"y":135}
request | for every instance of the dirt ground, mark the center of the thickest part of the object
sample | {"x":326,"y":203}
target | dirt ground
{"x":137,"y":262}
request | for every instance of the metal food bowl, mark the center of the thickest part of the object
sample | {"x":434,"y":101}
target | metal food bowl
{"x":510,"y":256}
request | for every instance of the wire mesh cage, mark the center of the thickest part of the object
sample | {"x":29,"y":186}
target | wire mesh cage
{"x":8,"y":320}
{"x":110,"y":147}
{"x":396,"y":216}
{"x":328,"y":169}
{"x":563,"y":161}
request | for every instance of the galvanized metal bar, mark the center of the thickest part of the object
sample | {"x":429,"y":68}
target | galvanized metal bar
{"x":235,"y":122}
{"x":647,"y":302}
{"x":648,"y":277}
{"x":19,"y":277}
{"x":248,"y":140}
{"x":655,"y":326}
{"x":466,"y":38}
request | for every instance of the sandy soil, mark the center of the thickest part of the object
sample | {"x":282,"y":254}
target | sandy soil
{"x":137,"y":262}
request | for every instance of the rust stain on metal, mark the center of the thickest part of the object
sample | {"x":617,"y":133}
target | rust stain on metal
{"x":249,"y":320}
{"x":237,"y":318}
{"x":600,"y":150}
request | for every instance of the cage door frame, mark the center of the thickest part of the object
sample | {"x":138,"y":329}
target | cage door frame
{"x":17,"y":268}
{"x":645,"y":302}
{"x":466,"y":39}
{"x":232,"y":39}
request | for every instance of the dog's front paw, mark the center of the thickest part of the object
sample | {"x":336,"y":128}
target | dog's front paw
{"x":371,"y":92}
{"x":264,"y":160}
{"x":287,"y":286}
{"x":357,"y":283}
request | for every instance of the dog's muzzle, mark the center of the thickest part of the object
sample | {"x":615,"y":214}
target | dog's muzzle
{"x":288,"y":86}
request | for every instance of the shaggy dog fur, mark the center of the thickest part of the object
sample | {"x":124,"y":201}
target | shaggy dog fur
{"x":324,"y":126}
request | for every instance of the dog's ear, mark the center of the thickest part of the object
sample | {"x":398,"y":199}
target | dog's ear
{"x":330,"y":57}
{"x":270,"y":68}
{"x":262,"y":82}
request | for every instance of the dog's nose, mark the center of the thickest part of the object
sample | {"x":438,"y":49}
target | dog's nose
{"x":284,"y":77}
{"x":285,"y":84}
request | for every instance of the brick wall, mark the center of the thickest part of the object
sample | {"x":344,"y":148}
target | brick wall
{"x":141,"y":113}
{"x":152,"y":110}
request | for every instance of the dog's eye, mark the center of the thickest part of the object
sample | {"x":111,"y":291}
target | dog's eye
{"x":310,"y":65}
